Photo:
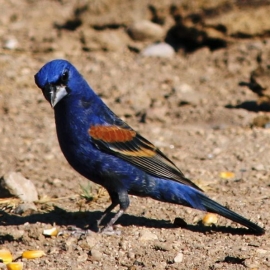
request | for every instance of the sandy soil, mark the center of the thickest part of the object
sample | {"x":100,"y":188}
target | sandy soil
{"x":191,"y":106}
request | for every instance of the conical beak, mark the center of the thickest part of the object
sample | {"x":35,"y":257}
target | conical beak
{"x":54,"y":93}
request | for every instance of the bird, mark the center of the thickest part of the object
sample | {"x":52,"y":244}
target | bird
{"x":106,"y":150}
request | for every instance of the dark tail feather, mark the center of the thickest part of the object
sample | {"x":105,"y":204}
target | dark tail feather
{"x":215,"y":207}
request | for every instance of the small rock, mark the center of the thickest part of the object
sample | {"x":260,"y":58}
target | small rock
{"x":163,"y":246}
{"x":147,"y":235}
{"x":159,"y":50}
{"x":186,"y":94}
{"x":262,"y":251}
{"x":17,"y":235}
{"x":216,"y":151}
{"x":252,"y":263}
{"x":53,"y":250}
{"x":259,"y":167}
{"x":11,"y":44}
{"x":25,"y":207}
{"x":125,"y":245}
{"x":146,"y":30}
{"x":57,"y":182}
{"x":88,"y":242}
{"x":82,"y":258}
{"x":178,"y":258}
{"x":261,"y":121}
{"x":131,"y":255}
{"x":71,"y":241}
{"x":15,"y":184}
{"x":184,"y":89}
{"x":91,"y":241}
{"x":96,"y":254}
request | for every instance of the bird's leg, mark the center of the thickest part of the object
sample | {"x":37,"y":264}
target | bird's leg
{"x":124,"y":203}
{"x":115,"y":201}
{"x":106,"y":212}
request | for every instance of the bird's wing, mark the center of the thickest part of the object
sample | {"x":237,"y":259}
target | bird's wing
{"x":127,"y":144}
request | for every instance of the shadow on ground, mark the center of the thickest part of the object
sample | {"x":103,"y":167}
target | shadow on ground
{"x":250,"y":105}
{"x":87,"y":220}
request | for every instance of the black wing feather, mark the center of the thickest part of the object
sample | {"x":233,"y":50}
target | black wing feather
{"x":135,"y":152}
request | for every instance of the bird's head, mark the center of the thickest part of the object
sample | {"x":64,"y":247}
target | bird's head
{"x":58,"y":79}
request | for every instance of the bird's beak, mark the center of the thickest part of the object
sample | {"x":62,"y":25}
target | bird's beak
{"x":54,"y":93}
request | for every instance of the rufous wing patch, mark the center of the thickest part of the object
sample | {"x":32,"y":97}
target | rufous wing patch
{"x":111,"y":134}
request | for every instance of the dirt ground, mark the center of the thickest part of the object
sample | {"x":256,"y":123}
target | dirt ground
{"x":191,"y":106}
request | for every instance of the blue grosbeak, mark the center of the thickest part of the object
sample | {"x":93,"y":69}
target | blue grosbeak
{"x":104,"y":149}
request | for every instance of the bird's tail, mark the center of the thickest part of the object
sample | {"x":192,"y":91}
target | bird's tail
{"x":214,"y":207}
{"x":178,"y":193}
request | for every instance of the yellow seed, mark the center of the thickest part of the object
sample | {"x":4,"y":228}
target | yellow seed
{"x":209,"y":219}
{"x":227,"y":175}
{"x":5,"y":255}
{"x":33,"y":254}
{"x":15,"y":266}
{"x":50,"y":232}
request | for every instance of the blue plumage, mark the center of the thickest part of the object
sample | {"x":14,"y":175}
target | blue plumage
{"x":104,"y":149}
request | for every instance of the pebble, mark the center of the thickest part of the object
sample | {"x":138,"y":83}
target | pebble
{"x":262,"y":251}
{"x":146,"y":30}
{"x":178,"y":258}
{"x":147,"y":236}
{"x":185,"y":93}
{"x":131,"y":255}
{"x":24,"y":207}
{"x":125,"y":245}
{"x":159,"y":50}
{"x":252,"y":263}
{"x":259,"y":167}
{"x":216,"y":151}
{"x":83,"y":257}
{"x":17,"y":235}
{"x":184,"y":88}
{"x":163,"y":246}
{"x":11,"y":44}
{"x":91,"y":241}
{"x":71,"y":241}
{"x":15,"y":184}
{"x":267,"y":125}
{"x":96,"y":254}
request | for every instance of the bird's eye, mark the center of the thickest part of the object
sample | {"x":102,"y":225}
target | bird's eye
{"x":64,"y":77}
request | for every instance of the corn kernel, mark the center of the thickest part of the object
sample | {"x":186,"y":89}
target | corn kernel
{"x":50,"y":232}
{"x":5,"y":255}
{"x":33,"y":254}
{"x":209,"y":219}
{"x":15,"y":266}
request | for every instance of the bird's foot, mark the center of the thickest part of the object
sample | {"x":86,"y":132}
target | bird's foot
{"x":110,"y":230}
{"x":75,"y":232}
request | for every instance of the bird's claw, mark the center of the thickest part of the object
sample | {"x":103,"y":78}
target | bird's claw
{"x":109,"y":230}
{"x":75,"y":232}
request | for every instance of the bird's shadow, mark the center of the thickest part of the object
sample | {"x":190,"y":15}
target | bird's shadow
{"x":250,"y":105}
{"x":87,"y":220}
